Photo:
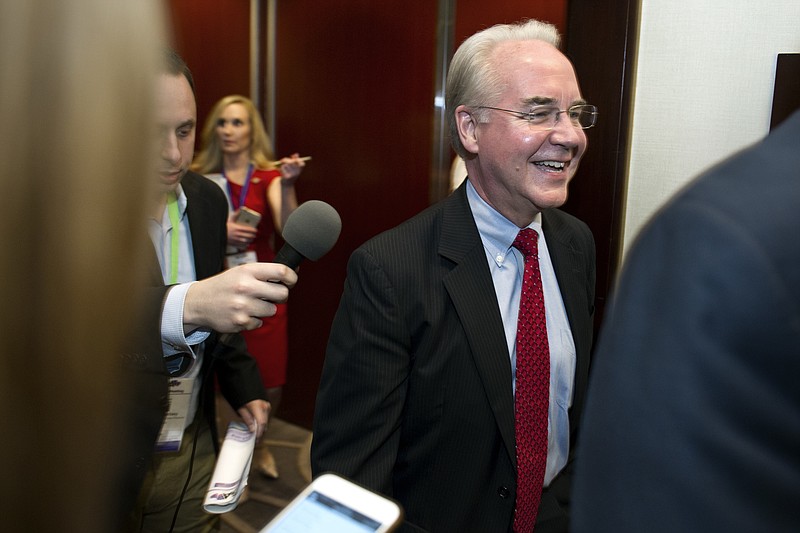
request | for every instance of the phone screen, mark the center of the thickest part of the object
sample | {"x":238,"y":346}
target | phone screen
{"x":318,"y":513}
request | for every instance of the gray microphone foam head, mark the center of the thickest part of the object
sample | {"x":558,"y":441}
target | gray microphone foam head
{"x":312,"y":229}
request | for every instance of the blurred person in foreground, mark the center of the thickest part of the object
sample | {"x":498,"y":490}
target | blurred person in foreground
{"x":76,"y":102}
{"x":692,"y":421}
{"x":198,"y":301}
{"x":237,"y":155}
{"x":424,"y":378}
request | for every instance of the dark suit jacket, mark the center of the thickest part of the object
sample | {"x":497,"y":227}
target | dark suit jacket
{"x":143,"y":361}
{"x":416,"y":396}
{"x":692,"y":422}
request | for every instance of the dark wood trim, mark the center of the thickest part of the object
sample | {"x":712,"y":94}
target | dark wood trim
{"x":786,"y":93}
{"x":601,"y":41}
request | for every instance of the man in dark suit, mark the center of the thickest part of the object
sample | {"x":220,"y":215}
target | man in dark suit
{"x":417,"y":397}
{"x":692,"y":421}
{"x":188,"y":232}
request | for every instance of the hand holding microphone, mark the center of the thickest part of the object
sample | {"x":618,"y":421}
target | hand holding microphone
{"x":238,"y":298}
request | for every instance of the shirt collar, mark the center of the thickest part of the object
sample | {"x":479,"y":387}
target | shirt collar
{"x":496,"y":231}
{"x":182,"y":200}
{"x":182,"y":203}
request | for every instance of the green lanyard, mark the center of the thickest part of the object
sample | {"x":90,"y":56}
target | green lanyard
{"x":175,"y":219}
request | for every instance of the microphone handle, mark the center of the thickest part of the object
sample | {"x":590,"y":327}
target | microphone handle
{"x":288,"y":256}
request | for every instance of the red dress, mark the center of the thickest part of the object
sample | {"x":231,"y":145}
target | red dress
{"x":269,"y":344}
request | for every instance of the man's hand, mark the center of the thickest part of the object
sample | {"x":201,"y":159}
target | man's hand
{"x":237,"y":298}
{"x":256,"y":415}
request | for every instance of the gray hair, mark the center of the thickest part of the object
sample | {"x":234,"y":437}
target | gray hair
{"x":473,"y":79}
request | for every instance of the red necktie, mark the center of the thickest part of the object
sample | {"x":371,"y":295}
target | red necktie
{"x":532,"y":398}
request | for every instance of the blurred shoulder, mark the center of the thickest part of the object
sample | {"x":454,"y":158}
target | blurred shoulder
{"x":194,"y":182}
{"x":198,"y":186}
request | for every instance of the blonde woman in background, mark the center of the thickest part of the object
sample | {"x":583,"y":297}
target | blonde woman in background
{"x":76,"y":151}
{"x":237,"y":155}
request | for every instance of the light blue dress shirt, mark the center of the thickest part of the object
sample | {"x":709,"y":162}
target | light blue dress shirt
{"x":507,"y":266}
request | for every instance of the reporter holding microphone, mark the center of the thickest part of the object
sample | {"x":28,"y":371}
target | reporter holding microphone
{"x":191,"y":300}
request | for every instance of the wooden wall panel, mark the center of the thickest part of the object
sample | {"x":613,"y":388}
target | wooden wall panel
{"x":354,"y":91}
{"x":601,"y":42}
{"x":475,"y":15}
{"x":213,"y":36}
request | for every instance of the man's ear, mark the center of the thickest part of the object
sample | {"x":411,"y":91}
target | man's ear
{"x":467,"y":129}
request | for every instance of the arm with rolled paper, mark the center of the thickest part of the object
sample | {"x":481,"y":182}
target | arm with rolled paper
{"x":311,"y":231}
{"x":238,"y":298}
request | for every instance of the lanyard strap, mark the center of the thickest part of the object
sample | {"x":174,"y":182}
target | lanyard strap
{"x":245,"y":187}
{"x":175,"y":219}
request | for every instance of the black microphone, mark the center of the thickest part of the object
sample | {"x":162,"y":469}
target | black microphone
{"x":309,"y":233}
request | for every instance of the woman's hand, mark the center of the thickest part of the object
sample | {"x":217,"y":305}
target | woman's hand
{"x":291,"y":167}
{"x":240,"y":235}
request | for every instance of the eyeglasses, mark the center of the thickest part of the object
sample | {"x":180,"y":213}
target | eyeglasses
{"x":545,"y":117}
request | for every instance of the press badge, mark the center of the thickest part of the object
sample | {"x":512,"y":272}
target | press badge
{"x":242,"y":258}
{"x":182,"y":407}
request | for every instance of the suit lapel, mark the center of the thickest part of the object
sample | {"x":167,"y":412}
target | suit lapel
{"x":201,"y":224}
{"x":472,"y":292}
{"x":568,"y":264}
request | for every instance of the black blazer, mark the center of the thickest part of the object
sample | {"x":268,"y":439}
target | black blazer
{"x":146,"y":394}
{"x":416,"y":396}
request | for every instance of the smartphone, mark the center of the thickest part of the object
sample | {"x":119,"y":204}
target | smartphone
{"x":333,"y":504}
{"x":248,"y":217}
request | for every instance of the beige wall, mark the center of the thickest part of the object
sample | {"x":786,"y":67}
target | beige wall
{"x":703,"y":90}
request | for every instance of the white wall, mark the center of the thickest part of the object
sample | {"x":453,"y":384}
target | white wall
{"x":703,"y":90}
